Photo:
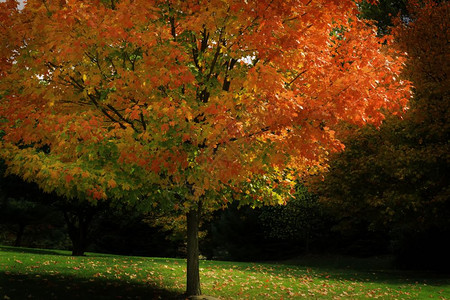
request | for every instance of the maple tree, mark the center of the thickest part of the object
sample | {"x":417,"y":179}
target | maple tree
{"x":185,"y":104}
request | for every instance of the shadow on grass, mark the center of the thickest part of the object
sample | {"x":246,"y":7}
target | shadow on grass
{"x":24,"y":250}
{"x":45,"y":286}
{"x":34,"y":251}
{"x":374,"y":269}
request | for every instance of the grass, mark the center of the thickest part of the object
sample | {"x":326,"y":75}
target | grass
{"x":53,"y":274}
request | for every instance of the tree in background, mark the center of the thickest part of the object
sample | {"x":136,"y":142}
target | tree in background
{"x":301,"y":220}
{"x":32,"y":218}
{"x":81,"y":220}
{"x":25,"y":206}
{"x":281,"y":231}
{"x":397,"y":178}
{"x":128,"y":232}
{"x":185,"y":105}
{"x":24,"y":214}
{"x":383,"y":12}
{"x":26,"y":223}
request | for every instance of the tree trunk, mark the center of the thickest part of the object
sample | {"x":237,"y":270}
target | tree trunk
{"x":193,"y":272}
{"x":307,"y":240}
{"x":78,"y":226}
{"x":79,"y":242}
{"x":78,"y":248}
{"x":19,"y":235}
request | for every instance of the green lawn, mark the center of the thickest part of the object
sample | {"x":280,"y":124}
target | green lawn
{"x":52,"y":274}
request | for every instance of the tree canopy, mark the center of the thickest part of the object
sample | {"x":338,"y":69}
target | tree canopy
{"x":189,"y":104}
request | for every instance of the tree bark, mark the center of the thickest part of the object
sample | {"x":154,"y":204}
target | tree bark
{"x":78,"y":226}
{"x":78,"y":248}
{"x":18,"y":241}
{"x":307,"y":242}
{"x":79,"y":242}
{"x":193,"y":272}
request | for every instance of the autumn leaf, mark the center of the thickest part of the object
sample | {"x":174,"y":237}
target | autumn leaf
{"x":112,"y":183}
{"x":68,"y":178}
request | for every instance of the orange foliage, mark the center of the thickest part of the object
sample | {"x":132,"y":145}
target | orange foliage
{"x":191,"y":96}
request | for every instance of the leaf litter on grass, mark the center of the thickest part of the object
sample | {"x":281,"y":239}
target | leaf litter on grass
{"x":225,"y":280}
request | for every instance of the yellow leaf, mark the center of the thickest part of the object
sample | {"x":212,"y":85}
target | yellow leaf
{"x":112,"y":183}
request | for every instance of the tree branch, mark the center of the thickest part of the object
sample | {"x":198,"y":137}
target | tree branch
{"x":295,"y":78}
{"x":144,"y":125}
{"x":105,"y":112}
{"x":173,"y":28}
{"x":229,"y":66}
{"x":119,"y":115}
{"x":216,"y":55}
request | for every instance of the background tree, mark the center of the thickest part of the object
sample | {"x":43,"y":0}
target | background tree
{"x":301,"y":220}
{"x":282,"y":231}
{"x":397,"y":179}
{"x":24,"y":214}
{"x":384,"y":12}
{"x":129,"y":232}
{"x":187,"y":105}
{"x":81,"y":220}
{"x":24,"y":205}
